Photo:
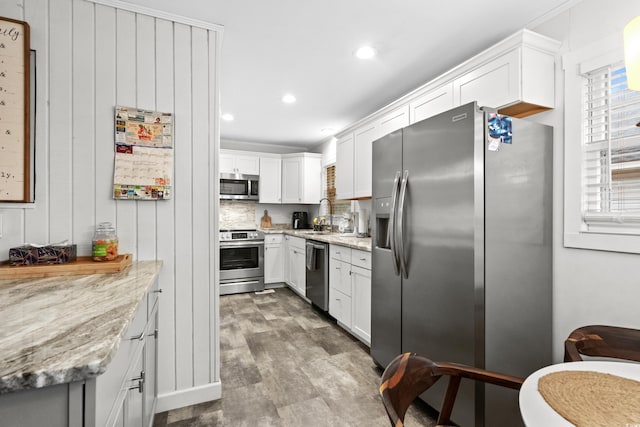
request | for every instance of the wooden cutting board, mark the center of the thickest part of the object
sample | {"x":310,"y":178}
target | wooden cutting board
{"x":83,"y":265}
{"x":265,"y":221}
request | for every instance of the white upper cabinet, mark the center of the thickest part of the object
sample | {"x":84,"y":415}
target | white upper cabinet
{"x":353,"y":162}
{"x":363,"y":138}
{"x":241,"y":162}
{"x":516,"y":76}
{"x":397,"y":119}
{"x":431,"y":103}
{"x":270,"y":189}
{"x":301,"y":178}
{"x":518,"y":83}
{"x":344,"y":167}
{"x":494,"y":84}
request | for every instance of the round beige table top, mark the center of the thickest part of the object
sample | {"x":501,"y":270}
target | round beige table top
{"x":536,"y":412}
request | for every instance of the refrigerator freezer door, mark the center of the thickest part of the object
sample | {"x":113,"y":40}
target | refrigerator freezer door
{"x":518,"y":201}
{"x":438,"y":295}
{"x":386,"y":290}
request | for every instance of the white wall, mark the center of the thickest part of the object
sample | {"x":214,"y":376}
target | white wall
{"x":590,"y":287}
{"x":90,"y":58}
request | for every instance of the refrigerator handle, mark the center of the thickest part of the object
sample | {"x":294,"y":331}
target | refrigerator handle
{"x":400,"y":224}
{"x":391,"y":236}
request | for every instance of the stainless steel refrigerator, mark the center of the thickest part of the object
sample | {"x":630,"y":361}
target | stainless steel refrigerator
{"x":461,"y":235}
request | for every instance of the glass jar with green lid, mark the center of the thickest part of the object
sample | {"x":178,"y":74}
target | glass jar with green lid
{"x":105,"y":242}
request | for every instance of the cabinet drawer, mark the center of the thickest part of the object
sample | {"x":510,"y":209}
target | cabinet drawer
{"x":361,"y":259}
{"x":340,"y":276}
{"x":275,"y":239}
{"x":297,"y":242}
{"x":341,"y":253}
{"x":340,"y":307}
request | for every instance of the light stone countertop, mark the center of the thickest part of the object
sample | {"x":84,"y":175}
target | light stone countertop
{"x":362,"y":243}
{"x":57,"y":330}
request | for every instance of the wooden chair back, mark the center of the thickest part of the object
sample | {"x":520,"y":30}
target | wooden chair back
{"x":409,"y":375}
{"x":602,"y":341}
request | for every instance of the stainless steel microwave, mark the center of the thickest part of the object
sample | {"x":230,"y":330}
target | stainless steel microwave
{"x":238,"y":187}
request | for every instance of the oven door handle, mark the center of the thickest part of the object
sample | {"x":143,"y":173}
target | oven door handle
{"x":228,"y":244}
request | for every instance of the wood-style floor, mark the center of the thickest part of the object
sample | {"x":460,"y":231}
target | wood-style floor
{"x":285,"y":364}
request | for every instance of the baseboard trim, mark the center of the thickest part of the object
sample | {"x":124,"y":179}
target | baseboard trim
{"x":192,"y":396}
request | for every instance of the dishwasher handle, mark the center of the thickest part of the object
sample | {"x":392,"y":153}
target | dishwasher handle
{"x":317,"y":246}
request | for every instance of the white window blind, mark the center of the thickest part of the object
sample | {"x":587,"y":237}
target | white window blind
{"x":611,"y":152}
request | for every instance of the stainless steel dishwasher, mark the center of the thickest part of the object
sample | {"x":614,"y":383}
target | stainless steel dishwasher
{"x":317,"y":273}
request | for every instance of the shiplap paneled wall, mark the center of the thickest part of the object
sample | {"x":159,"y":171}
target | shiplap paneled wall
{"x":91,"y":57}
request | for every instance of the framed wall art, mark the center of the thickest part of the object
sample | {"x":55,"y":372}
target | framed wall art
{"x":15,"y":150}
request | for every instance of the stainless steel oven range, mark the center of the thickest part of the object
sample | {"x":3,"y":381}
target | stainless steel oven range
{"x":241,"y":261}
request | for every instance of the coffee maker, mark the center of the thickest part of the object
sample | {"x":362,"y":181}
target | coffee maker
{"x":299,"y":220}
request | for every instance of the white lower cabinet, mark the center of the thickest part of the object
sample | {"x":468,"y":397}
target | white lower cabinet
{"x":297,"y":265}
{"x":273,"y":258}
{"x":131,"y":377}
{"x":361,"y":303}
{"x":350,"y":290}
{"x":124,"y":395}
{"x":340,"y":285}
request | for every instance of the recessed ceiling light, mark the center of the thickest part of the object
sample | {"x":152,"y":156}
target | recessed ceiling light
{"x":366,"y":52}
{"x":227,"y":117}
{"x":288,"y":99}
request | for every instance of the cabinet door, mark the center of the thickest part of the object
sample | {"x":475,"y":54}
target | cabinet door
{"x":133,"y":403}
{"x":248,"y":164}
{"x":344,"y":167}
{"x":494,"y":84}
{"x":291,"y":180}
{"x":363,"y":139}
{"x":270,"y":180}
{"x":395,"y":120}
{"x":286,"y":269}
{"x":227,"y":163}
{"x":273,"y":262}
{"x":150,"y":369}
{"x":361,"y":303}
{"x":312,"y":178}
{"x":300,"y":272}
{"x":432,"y":103}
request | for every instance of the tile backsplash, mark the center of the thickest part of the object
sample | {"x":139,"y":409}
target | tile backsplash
{"x":236,"y":215}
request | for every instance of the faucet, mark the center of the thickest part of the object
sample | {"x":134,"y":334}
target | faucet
{"x":330,"y":212}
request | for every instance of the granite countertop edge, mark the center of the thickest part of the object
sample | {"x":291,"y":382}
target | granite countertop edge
{"x":361,"y":243}
{"x":68,"y":328}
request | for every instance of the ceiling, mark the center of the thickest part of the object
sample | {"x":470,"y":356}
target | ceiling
{"x":306,"y":48}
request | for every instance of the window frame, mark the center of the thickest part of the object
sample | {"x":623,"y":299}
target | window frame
{"x":576,"y":63}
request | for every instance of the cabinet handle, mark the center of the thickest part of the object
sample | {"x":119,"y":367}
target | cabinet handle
{"x":338,"y":253}
{"x":338,"y":268}
{"x":154,"y":334}
{"x":140,"y":385}
{"x":159,"y":291}
{"x":363,"y":259}
{"x":138,"y":337}
{"x":350,"y":272}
